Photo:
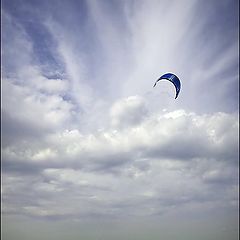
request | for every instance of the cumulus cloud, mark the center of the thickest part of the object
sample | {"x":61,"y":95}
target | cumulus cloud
{"x":178,"y":135}
{"x":157,"y":162}
{"x":32,"y":107}
{"x":128,"y":112}
{"x":33,"y":101}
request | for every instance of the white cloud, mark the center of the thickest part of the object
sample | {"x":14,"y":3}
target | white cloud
{"x":26,"y":104}
{"x":32,"y":103}
{"x":147,"y":166}
{"x":128,"y":112}
{"x":179,"y":135}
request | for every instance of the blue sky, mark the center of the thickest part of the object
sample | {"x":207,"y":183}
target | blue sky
{"x":90,"y":149}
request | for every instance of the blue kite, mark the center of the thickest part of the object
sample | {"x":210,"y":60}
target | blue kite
{"x":172,"y":78}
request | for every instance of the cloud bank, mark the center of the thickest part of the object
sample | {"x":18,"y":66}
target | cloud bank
{"x":166,"y":159}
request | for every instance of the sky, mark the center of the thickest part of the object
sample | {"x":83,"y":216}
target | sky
{"x":90,"y":150}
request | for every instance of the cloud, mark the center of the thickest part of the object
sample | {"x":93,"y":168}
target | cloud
{"x":128,"y":112}
{"x":156,"y":161}
{"x":44,"y":109}
{"x":179,"y":135}
{"x":33,"y":102}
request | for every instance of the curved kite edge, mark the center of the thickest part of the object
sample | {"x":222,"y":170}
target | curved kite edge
{"x":172,"y":78}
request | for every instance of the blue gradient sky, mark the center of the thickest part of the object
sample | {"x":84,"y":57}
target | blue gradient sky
{"x":90,"y":150}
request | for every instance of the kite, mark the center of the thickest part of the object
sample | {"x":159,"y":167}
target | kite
{"x":172,"y":78}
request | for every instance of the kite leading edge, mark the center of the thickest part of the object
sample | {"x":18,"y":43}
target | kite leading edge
{"x":172,"y":78}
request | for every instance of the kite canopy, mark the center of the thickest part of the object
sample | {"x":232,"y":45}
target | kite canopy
{"x":172,"y":78}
